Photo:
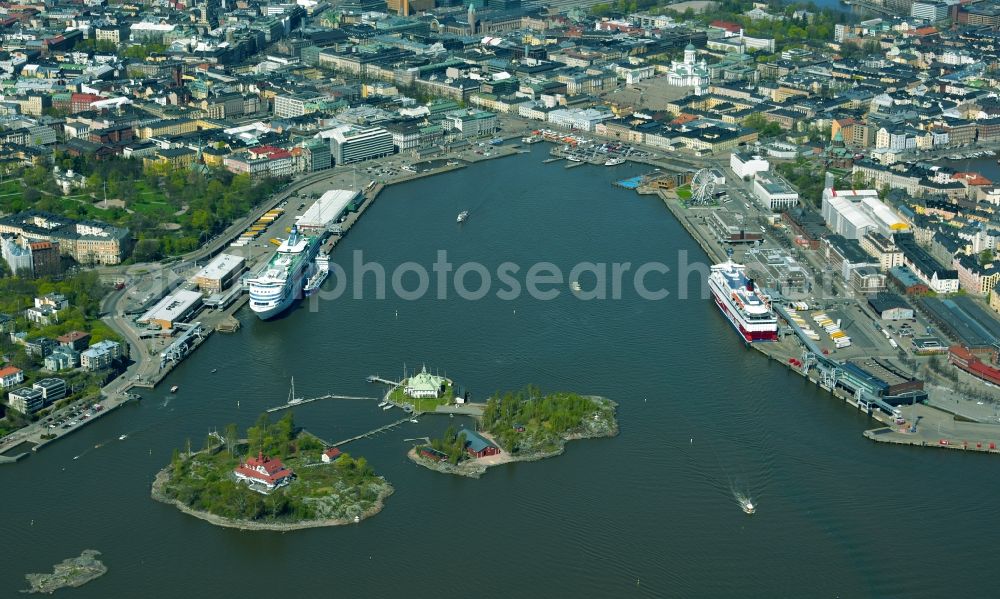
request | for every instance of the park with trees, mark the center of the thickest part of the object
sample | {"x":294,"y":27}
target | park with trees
{"x":169,"y":210}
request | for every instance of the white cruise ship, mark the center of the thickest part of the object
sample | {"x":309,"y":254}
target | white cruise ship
{"x":280,"y":283}
{"x":747,"y":309}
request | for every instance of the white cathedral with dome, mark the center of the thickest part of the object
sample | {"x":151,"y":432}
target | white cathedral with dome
{"x":690,"y":73}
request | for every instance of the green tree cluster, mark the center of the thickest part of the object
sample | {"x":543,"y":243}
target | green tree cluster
{"x":762,"y":126}
{"x":807,"y":178}
{"x":452,"y":444}
{"x":543,"y":418}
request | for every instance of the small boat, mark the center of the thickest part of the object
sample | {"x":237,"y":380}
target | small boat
{"x":746,"y":504}
{"x":383,"y":404}
{"x":370,"y":378}
{"x":531,"y":140}
{"x":322,"y":272}
{"x":214,"y":370}
{"x":123,"y":437}
{"x":574,"y":159}
{"x":614,"y":161}
{"x":413,"y":420}
{"x":174,"y":389}
{"x":496,"y":141}
{"x":575,"y":286}
{"x":462,"y":216}
{"x":387,"y":407}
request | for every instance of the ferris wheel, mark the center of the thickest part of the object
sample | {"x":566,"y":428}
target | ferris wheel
{"x":702,"y":187}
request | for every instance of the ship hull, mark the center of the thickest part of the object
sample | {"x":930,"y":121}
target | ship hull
{"x":748,"y":336}
{"x":267,"y":313}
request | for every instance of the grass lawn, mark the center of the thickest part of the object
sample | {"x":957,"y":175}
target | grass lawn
{"x":426,"y":404}
{"x":150,"y":201}
{"x":684,"y":192}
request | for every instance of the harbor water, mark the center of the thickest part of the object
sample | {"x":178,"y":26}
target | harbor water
{"x":650,"y":513}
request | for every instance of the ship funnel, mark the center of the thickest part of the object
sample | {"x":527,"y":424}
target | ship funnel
{"x":749,"y":284}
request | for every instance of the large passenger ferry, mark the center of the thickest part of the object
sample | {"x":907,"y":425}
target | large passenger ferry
{"x":746,"y":307}
{"x":280,"y":283}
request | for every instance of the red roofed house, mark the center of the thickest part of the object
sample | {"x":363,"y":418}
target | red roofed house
{"x":10,"y":376}
{"x":330,"y":455}
{"x":264,"y":470}
{"x":77,"y":340}
{"x":732,"y":28}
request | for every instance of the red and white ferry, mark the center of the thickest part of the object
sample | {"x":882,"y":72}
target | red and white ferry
{"x":747,"y":308}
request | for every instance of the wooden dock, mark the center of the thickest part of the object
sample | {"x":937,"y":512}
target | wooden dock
{"x":299,"y":402}
{"x":372,"y":432}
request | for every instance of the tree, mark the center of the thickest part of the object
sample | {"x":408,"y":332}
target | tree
{"x":147,"y":250}
{"x":985,"y":257}
{"x":232,"y":437}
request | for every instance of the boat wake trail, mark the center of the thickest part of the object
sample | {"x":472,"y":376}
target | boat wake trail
{"x":743,"y":498}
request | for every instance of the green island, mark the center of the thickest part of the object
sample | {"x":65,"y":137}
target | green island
{"x":515,"y":427}
{"x":276,"y":478}
{"x":445,"y":390}
{"x":71,"y":572}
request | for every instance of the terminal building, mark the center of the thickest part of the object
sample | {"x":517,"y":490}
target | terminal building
{"x":220,"y":273}
{"x":879,"y":380}
{"x":326,"y":211}
{"x":176,"y":307}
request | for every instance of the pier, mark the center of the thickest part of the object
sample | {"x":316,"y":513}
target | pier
{"x":372,"y":432}
{"x":299,"y":402}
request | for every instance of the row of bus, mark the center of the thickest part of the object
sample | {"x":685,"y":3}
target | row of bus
{"x":257,"y":229}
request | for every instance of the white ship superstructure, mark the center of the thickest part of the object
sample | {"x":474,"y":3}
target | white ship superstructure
{"x":281,"y":282}
{"x":747,"y":308}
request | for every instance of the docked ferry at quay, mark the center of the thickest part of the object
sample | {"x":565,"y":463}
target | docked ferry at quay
{"x":746,"y":307}
{"x":281,"y":282}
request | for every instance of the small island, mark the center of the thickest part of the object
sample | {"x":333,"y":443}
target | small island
{"x":277,"y":478}
{"x":516,"y":427}
{"x":72,"y":572}
{"x":423,"y":392}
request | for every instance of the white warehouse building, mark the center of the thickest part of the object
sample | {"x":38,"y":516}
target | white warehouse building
{"x":854,"y":213}
{"x":325,"y":211}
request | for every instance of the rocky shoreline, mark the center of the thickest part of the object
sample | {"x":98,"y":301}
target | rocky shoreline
{"x":71,"y":572}
{"x":478,"y":467}
{"x":163,"y":477}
